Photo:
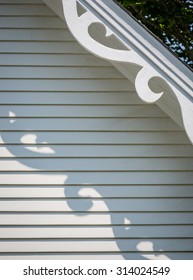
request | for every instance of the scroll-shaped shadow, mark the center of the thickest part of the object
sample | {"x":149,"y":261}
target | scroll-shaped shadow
{"x":138,"y":234}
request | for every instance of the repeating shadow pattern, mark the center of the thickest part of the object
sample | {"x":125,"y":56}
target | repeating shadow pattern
{"x":84,"y":195}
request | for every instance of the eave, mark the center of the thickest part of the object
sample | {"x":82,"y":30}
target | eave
{"x":143,"y":57}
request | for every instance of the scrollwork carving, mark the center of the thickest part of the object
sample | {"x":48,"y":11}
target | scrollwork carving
{"x":79,"y":26}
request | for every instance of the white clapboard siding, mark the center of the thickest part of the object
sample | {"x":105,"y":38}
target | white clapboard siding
{"x":117,"y":191}
{"x":41,"y":35}
{"x":101,"y":205}
{"x":95,"y":219}
{"x":100,"y":177}
{"x":76,"y":232}
{"x":27,"y":137}
{"x":81,"y":111}
{"x":93,"y":204}
{"x":71,"y":256}
{"x":50,"y":60}
{"x":98,"y":256}
{"x":20,"y":10}
{"x":40,"y":47}
{"x":98,"y":164}
{"x":57,"y":72}
{"x":18,"y":2}
{"x":87,"y":170}
{"x":70,"y":98}
{"x":93,"y":246}
{"x":96,"y":151}
{"x":33,"y":22}
{"x":82,"y":124}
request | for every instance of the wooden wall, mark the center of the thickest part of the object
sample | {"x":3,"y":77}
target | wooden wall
{"x":87,"y":170}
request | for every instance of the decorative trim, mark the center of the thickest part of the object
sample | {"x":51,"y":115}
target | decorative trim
{"x":79,"y":25}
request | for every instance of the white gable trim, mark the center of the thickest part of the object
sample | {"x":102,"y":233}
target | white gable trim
{"x":143,"y":50}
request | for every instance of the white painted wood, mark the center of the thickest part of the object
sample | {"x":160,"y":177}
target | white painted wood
{"x":97,"y":232}
{"x":139,"y":52}
{"x":63,"y":256}
{"x":71,"y":98}
{"x":58,"y":72}
{"x":97,"y":164}
{"x":82,"y":111}
{"x":62,"y":116}
{"x":51,"y":60}
{"x":86,"y":138}
{"x":104,"y":256}
{"x":21,"y":2}
{"x":112,"y":191}
{"x":127,"y":177}
{"x":35,"y":35}
{"x":43,"y":47}
{"x":96,"y":246}
{"x":141,"y":218}
{"x":59,"y":85}
{"x":32,"y":22}
{"x":102,"y":151}
{"x":82,"y":124}
{"x":57,"y":4}
{"x":19,"y":10}
{"x":91,"y":204}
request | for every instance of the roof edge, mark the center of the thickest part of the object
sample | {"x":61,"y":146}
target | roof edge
{"x":132,"y":33}
{"x":152,"y":34}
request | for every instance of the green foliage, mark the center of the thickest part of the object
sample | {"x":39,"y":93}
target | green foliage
{"x":170,"y":20}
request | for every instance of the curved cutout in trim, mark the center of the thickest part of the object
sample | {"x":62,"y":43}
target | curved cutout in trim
{"x":79,"y":26}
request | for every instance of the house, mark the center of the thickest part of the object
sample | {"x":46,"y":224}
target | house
{"x":96,"y":136}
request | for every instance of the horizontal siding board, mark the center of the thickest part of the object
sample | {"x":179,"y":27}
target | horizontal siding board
{"x":55,"y":219}
{"x":99,"y":256}
{"x":117,"y":191}
{"x":98,"y":232}
{"x":76,"y":98}
{"x":38,"y":48}
{"x":82,"y":111}
{"x":35,"y":35}
{"x":20,"y":10}
{"x":58,"y":72}
{"x":61,"y":85}
{"x":97,"y":164}
{"x":67,"y":205}
{"x":50,"y":60}
{"x":50,"y":246}
{"x":21,"y":2}
{"x":32,"y":22}
{"x":97,"y":219}
{"x":127,"y":177}
{"x":89,"y":151}
{"x":101,"y":124}
{"x":68,"y":256}
{"x":96,"y":246}
{"x":31,"y":137}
